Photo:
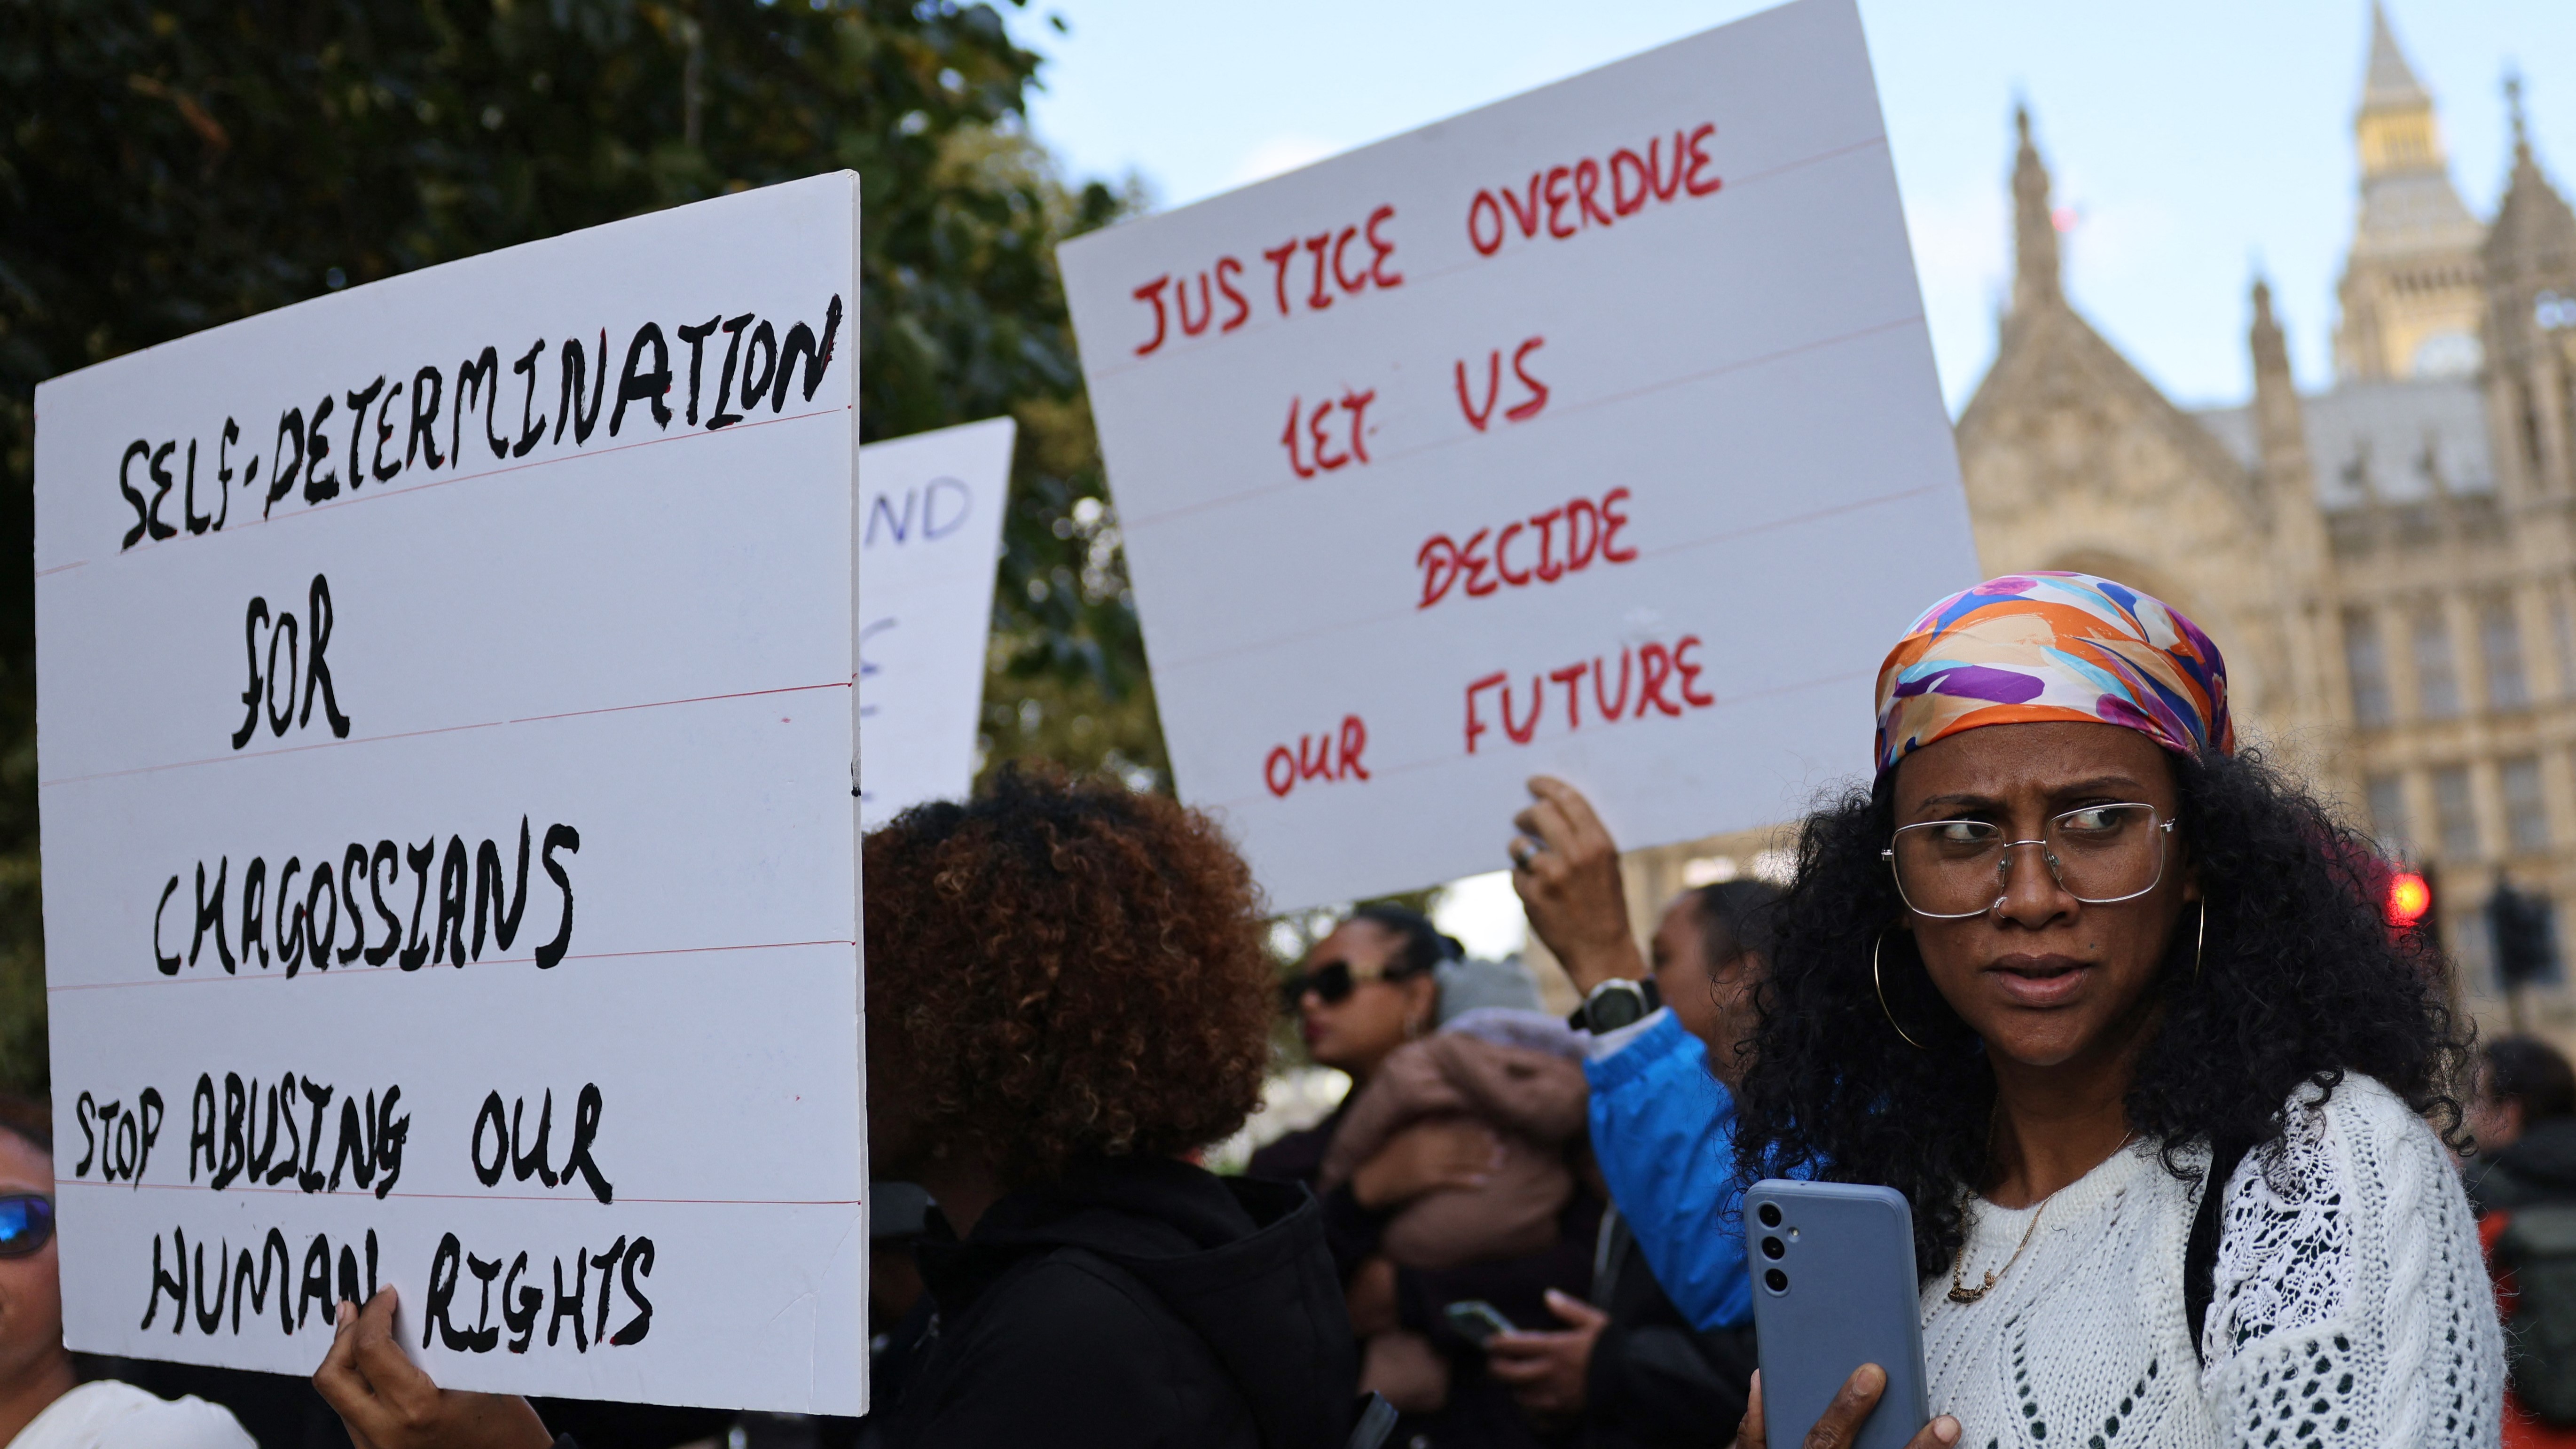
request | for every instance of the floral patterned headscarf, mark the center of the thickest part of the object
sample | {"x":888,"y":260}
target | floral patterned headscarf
{"x":2035,"y":647}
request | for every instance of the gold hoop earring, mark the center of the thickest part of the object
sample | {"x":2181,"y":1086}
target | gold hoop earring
{"x":1881,"y":988}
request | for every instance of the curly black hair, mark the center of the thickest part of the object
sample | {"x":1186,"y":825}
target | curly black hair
{"x":2301,"y":981}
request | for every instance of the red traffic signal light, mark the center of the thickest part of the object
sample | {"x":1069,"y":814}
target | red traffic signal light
{"x":2409,"y":897}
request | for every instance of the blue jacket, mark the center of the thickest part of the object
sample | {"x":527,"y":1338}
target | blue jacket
{"x":1663,"y":1130}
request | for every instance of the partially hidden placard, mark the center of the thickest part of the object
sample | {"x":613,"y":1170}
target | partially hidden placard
{"x":450,"y":859}
{"x":1593,"y":433}
{"x":930,"y":528}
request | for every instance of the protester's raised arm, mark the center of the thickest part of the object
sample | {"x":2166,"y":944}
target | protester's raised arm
{"x":1566,"y":868}
{"x":386,"y":1402}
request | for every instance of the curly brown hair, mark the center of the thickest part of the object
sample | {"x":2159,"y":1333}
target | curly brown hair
{"x":1081,"y":964}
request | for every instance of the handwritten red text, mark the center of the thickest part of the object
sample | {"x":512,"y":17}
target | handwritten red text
{"x":1331,"y":435}
{"x":1195,"y":322}
{"x":1563,"y":200}
{"x":1533,"y":399}
{"x":1306,"y":274}
{"x":1539,"y":549}
{"x":1328,"y":757}
{"x":1665,"y":679}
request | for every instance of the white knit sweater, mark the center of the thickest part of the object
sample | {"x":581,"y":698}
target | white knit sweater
{"x":2350,"y":1302}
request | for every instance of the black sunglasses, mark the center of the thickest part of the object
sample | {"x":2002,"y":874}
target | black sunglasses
{"x":1332,"y":983}
{"x":26,"y":1224}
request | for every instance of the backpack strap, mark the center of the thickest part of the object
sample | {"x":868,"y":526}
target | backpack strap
{"x":2200,"y":1250}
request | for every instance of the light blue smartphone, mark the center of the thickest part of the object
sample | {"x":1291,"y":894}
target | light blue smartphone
{"x":1834,"y":1288}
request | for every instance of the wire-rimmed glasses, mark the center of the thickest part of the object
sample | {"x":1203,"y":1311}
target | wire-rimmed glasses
{"x":1949,"y":870}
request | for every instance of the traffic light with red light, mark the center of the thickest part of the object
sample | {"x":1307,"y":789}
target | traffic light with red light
{"x":2410,"y":899}
{"x":2412,"y":906}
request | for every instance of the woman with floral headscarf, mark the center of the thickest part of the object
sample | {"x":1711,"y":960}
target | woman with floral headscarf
{"x":2111,"y":1003}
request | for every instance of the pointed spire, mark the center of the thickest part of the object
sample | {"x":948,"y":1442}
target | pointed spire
{"x":2412,"y":270}
{"x":2395,"y":125}
{"x":2035,"y":278}
{"x":2271,"y":348}
{"x":2534,"y":231}
{"x":2280,"y":424}
{"x":2513,"y":108}
{"x":2390,"y":82}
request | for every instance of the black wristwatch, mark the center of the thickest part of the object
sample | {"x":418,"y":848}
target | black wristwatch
{"x":1615,"y":1003}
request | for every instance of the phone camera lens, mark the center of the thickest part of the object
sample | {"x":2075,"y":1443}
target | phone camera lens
{"x":1776,"y":1281}
{"x":1770,"y":1215}
{"x":1773,"y":1248}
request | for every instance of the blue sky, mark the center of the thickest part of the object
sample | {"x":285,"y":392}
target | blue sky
{"x":2194,"y":139}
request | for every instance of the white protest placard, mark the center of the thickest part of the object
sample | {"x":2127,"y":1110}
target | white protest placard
{"x":1594,"y":433}
{"x":930,"y":527}
{"x":446,"y":740}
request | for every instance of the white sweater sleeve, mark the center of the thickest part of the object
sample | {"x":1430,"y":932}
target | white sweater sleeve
{"x":2350,"y":1304}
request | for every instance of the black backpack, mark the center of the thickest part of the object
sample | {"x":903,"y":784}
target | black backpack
{"x":2538,"y":1246}
{"x":2200,"y":1249}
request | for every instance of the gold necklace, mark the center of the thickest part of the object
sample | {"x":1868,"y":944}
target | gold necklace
{"x":1960,"y":1292}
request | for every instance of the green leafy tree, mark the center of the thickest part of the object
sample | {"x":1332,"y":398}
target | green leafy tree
{"x":168,"y":167}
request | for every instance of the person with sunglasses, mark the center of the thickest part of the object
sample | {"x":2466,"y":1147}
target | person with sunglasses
{"x":1368,"y":987}
{"x":2112,"y":1003}
{"x":1371,"y":986}
{"x":43,"y":1403}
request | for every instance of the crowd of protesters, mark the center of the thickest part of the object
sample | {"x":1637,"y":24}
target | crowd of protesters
{"x":2108,"y":999}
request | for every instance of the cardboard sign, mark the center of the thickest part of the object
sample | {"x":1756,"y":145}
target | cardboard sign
{"x":930,"y":526}
{"x":1593,"y":433}
{"x":447,"y":724}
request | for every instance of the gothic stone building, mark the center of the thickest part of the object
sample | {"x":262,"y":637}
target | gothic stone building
{"x":2390,"y":563}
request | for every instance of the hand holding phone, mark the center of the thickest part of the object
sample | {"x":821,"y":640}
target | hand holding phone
{"x":1477,"y":1320}
{"x":1836,"y":1307}
{"x":1843,"y":1417}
